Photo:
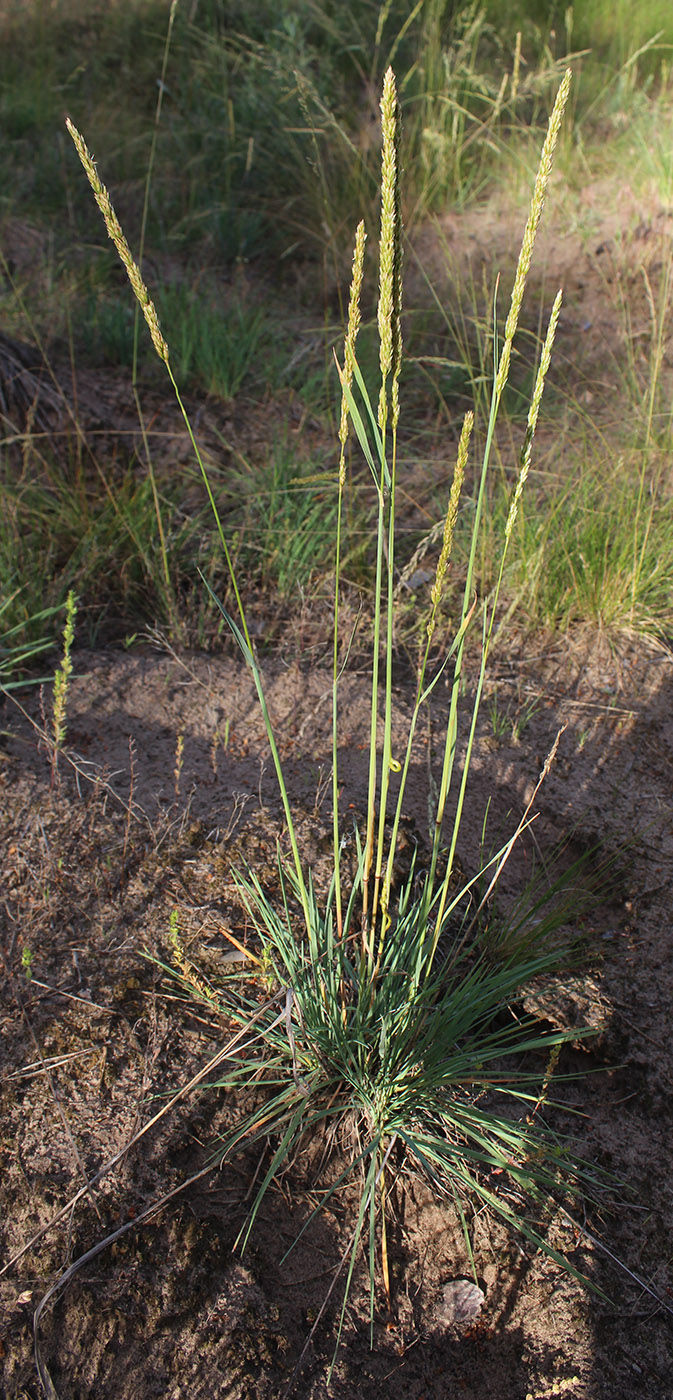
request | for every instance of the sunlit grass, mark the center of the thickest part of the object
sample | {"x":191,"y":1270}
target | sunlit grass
{"x":388,"y":1008}
{"x":295,"y":145}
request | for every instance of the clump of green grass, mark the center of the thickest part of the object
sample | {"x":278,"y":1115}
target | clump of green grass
{"x":288,"y":525}
{"x":600,"y":553}
{"x":22,"y":641}
{"x":218,"y":346}
{"x":62,"y":532}
{"x":388,"y":1011}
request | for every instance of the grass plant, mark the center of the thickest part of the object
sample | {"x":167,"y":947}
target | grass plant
{"x":599,"y":553}
{"x":288,"y":525}
{"x":217,"y":348}
{"x":388,"y":1025}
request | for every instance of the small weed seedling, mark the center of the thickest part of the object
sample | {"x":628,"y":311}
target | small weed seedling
{"x":387,"y":1028}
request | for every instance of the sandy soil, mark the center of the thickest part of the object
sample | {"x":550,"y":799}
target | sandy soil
{"x":93,"y":865}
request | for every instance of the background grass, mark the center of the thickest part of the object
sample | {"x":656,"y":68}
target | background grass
{"x":266,"y":157}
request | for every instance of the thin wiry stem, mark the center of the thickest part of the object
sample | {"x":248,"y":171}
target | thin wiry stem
{"x":436,"y":596}
{"x":390,"y":359}
{"x":349,"y":360}
{"x":500,"y":380}
{"x":136,"y":319}
{"x":489,"y":618}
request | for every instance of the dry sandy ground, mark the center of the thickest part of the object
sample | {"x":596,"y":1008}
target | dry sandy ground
{"x":93,"y":866}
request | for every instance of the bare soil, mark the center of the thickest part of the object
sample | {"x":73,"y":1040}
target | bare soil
{"x":93,"y":864}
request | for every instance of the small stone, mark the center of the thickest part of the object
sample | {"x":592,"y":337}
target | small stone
{"x":462,"y":1301}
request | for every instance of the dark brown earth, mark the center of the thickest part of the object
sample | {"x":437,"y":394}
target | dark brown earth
{"x":94,"y":862}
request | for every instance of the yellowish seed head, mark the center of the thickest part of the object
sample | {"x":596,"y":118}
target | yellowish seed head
{"x":533,"y":413}
{"x":390,"y":278}
{"x":115,"y":232}
{"x":351,"y":337}
{"x":530,"y":231}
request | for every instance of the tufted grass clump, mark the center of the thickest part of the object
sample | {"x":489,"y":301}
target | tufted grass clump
{"x":390,"y":1023}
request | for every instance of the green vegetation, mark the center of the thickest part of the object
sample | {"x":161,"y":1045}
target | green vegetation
{"x":385,"y":1023}
{"x":387,"y":1015}
{"x":242,"y":148}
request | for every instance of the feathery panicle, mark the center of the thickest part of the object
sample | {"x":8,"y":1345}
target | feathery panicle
{"x":543,"y":370}
{"x":524,"y":463}
{"x":390,"y":277}
{"x":536,"y":207}
{"x":351,"y":337}
{"x":115,"y":232}
{"x":451,"y":516}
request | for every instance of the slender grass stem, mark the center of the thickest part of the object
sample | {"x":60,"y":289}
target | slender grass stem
{"x":136,"y":322}
{"x":336,"y":838}
{"x":390,"y":357}
{"x":500,"y":380}
{"x":490,"y":606}
{"x":367,"y":932}
{"x":388,"y":764}
{"x":349,"y":360}
{"x":421,"y":692}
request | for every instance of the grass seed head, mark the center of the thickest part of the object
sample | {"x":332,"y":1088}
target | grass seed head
{"x":533,"y":412}
{"x":63,"y":674}
{"x":116,"y":233}
{"x":530,"y":231}
{"x":351,"y":337}
{"x":390,"y":277}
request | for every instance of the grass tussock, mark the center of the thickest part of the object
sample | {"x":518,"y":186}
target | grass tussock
{"x":387,"y":1022}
